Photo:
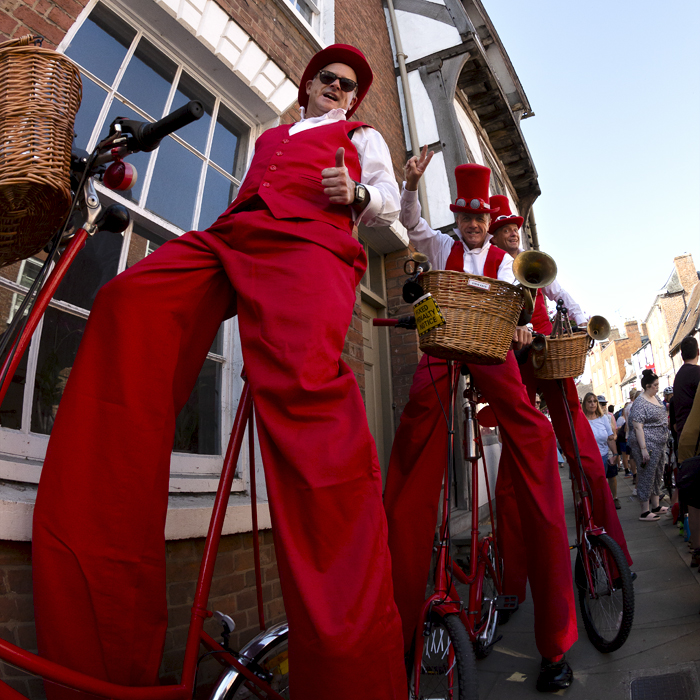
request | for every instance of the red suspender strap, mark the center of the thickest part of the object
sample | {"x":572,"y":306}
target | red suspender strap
{"x":540,"y":317}
{"x":455,"y":260}
{"x":493,"y":261}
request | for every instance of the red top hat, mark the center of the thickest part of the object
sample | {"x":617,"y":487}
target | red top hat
{"x":338,"y":53}
{"x":472,"y":189}
{"x":505,"y":216}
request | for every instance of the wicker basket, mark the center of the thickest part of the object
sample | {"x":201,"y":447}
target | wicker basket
{"x":40,"y":92}
{"x":566,"y":356}
{"x":480,"y":317}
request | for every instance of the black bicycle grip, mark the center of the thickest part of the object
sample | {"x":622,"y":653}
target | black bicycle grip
{"x":149,"y":135}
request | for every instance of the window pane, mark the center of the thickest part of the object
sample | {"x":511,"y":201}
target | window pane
{"x":174,"y":185}
{"x":11,"y":409}
{"x":138,"y":160}
{"x":219,"y":192}
{"x":304,"y":9}
{"x":93,"y":99}
{"x":198,"y":426}
{"x":148,"y":78}
{"x":25,"y":273}
{"x":225,"y":146}
{"x":143,"y":242}
{"x":195,"y":133}
{"x":94,"y":265}
{"x":60,"y":338}
{"x":217,"y":346}
{"x":101,"y":44}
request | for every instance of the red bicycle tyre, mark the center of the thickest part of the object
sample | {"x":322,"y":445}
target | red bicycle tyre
{"x":608,"y":610}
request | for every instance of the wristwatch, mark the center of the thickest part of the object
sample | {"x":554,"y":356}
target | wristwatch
{"x":361,"y":194}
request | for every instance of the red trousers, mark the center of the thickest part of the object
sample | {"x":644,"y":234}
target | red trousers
{"x":510,"y":537}
{"x":99,"y":549}
{"x":413,"y":485}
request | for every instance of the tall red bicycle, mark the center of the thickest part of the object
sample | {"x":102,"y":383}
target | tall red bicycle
{"x":451,"y":631}
{"x":603,"y":580}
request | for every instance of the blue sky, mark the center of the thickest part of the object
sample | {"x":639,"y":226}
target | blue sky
{"x":615,"y":87}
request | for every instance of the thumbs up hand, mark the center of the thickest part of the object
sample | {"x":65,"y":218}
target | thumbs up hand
{"x":336,"y":182}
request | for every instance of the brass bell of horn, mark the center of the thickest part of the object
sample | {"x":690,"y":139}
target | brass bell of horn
{"x":534,"y":269}
{"x":598,"y":327}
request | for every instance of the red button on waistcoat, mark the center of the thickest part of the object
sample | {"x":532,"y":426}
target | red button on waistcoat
{"x":273,"y":167}
{"x":266,"y":184}
{"x":285,"y":140}
{"x":279,"y":153}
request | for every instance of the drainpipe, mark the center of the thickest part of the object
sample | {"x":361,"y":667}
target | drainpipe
{"x":533,"y":230}
{"x":410,"y":116}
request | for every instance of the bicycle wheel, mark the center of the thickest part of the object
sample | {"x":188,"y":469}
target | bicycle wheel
{"x":448,"y":669}
{"x":271,"y":663}
{"x":489,"y":615}
{"x":608,"y":608}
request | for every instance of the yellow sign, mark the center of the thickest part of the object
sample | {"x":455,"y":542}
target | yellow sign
{"x":428,"y":314}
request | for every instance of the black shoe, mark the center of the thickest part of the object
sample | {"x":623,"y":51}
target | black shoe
{"x":554,"y":676}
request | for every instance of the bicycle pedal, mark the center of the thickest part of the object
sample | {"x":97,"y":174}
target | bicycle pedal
{"x":507,"y":603}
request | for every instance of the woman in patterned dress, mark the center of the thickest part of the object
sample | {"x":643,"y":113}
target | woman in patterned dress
{"x":647,"y":442}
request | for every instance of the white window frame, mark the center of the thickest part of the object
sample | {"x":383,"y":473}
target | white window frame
{"x":321,"y":29}
{"x":22,"y":452}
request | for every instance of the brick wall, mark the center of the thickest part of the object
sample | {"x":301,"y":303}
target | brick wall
{"x":50,"y":19}
{"x":233,"y":593}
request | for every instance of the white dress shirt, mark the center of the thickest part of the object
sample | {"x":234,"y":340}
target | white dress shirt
{"x":555,"y":291}
{"x":437,"y":245}
{"x":377,"y":170}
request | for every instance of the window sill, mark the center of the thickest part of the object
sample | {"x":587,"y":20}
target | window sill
{"x":188,"y":515}
{"x":385,"y":239}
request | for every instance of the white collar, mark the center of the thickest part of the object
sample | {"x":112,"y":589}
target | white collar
{"x":337,"y":114}
{"x":473,"y":251}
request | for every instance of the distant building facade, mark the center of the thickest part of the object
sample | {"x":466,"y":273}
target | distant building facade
{"x":607,"y":361}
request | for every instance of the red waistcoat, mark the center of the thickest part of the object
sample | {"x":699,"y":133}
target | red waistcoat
{"x":494,"y":257}
{"x":286,"y":172}
{"x":540,"y":317}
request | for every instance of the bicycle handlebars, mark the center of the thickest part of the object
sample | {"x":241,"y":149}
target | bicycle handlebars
{"x":401,"y":322}
{"x":146,"y":136}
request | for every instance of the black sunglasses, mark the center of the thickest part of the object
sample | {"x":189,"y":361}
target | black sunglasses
{"x":328,"y":78}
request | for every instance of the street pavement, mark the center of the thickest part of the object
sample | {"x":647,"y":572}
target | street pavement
{"x":661,"y":658}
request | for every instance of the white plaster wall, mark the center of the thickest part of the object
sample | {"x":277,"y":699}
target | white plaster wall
{"x":438,"y":189}
{"x":426,"y":125}
{"x":422,"y":36}
{"x":469,"y":133}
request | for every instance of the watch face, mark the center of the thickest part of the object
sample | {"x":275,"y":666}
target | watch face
{"x":360,"y":193}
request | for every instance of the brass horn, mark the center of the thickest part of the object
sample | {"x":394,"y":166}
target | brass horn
{"x":534,"y":269}
{"x":598,"y":327}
